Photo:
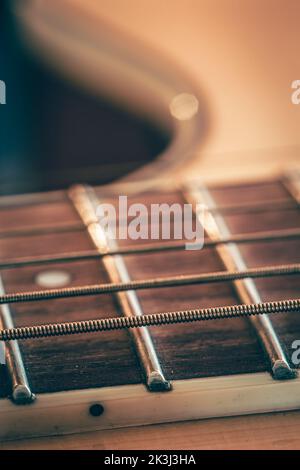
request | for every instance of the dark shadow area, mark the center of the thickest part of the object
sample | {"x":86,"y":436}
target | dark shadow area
{"x":53,"y":134}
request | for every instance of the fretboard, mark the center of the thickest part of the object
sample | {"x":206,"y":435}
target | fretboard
{"x":50,"y":241}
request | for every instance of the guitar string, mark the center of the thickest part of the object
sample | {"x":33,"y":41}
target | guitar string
{"x":158,"y":282}
{"x":147,"y":249}
{"x":54,"y":197}
{"x":63,"y":197}
{"x":169,"y":317}
{"x":42,"y":230}
{"x":283,"y":204}
{"x":156,"y":319}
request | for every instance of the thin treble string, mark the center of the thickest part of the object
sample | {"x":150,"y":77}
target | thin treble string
{"x":159,"y":282}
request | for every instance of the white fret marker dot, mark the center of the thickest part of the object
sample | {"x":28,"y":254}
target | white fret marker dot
{"x":53,"y":279}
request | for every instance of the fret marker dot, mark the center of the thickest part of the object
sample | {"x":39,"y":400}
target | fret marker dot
{"x":53,"y":279}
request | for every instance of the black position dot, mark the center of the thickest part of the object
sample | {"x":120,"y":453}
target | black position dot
{"x":96,"y":410}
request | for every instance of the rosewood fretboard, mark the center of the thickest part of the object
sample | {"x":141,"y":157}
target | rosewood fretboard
{"x":214,"y":348}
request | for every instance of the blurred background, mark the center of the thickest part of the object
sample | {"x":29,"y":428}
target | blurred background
{"x":53,"y":132}
{"x":238,"y":58}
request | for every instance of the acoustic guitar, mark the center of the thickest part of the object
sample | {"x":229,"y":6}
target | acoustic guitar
{"x":99,"y":333}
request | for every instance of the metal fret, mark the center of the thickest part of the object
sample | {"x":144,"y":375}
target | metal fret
{"x":21,"y":392}
{"x":247,"y":292}
{"x":291,"y":234}
{"x":85,"y":201}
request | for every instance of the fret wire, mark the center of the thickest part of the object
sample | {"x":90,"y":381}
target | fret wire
{"x":152,"y":283}
{"x":155,"y":319}
{"x":85,"y":201}
{"x":290,"y":234}
{"x":21,"y":392}
{"x":230,"y":256}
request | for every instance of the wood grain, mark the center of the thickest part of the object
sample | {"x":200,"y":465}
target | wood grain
{"x":270,"y":431}
{"x":186,"y":351}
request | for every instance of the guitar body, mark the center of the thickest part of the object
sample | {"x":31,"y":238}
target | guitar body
{"x":226,"y":122}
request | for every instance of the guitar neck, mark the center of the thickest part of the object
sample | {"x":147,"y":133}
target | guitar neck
{"x":57,"y":268}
